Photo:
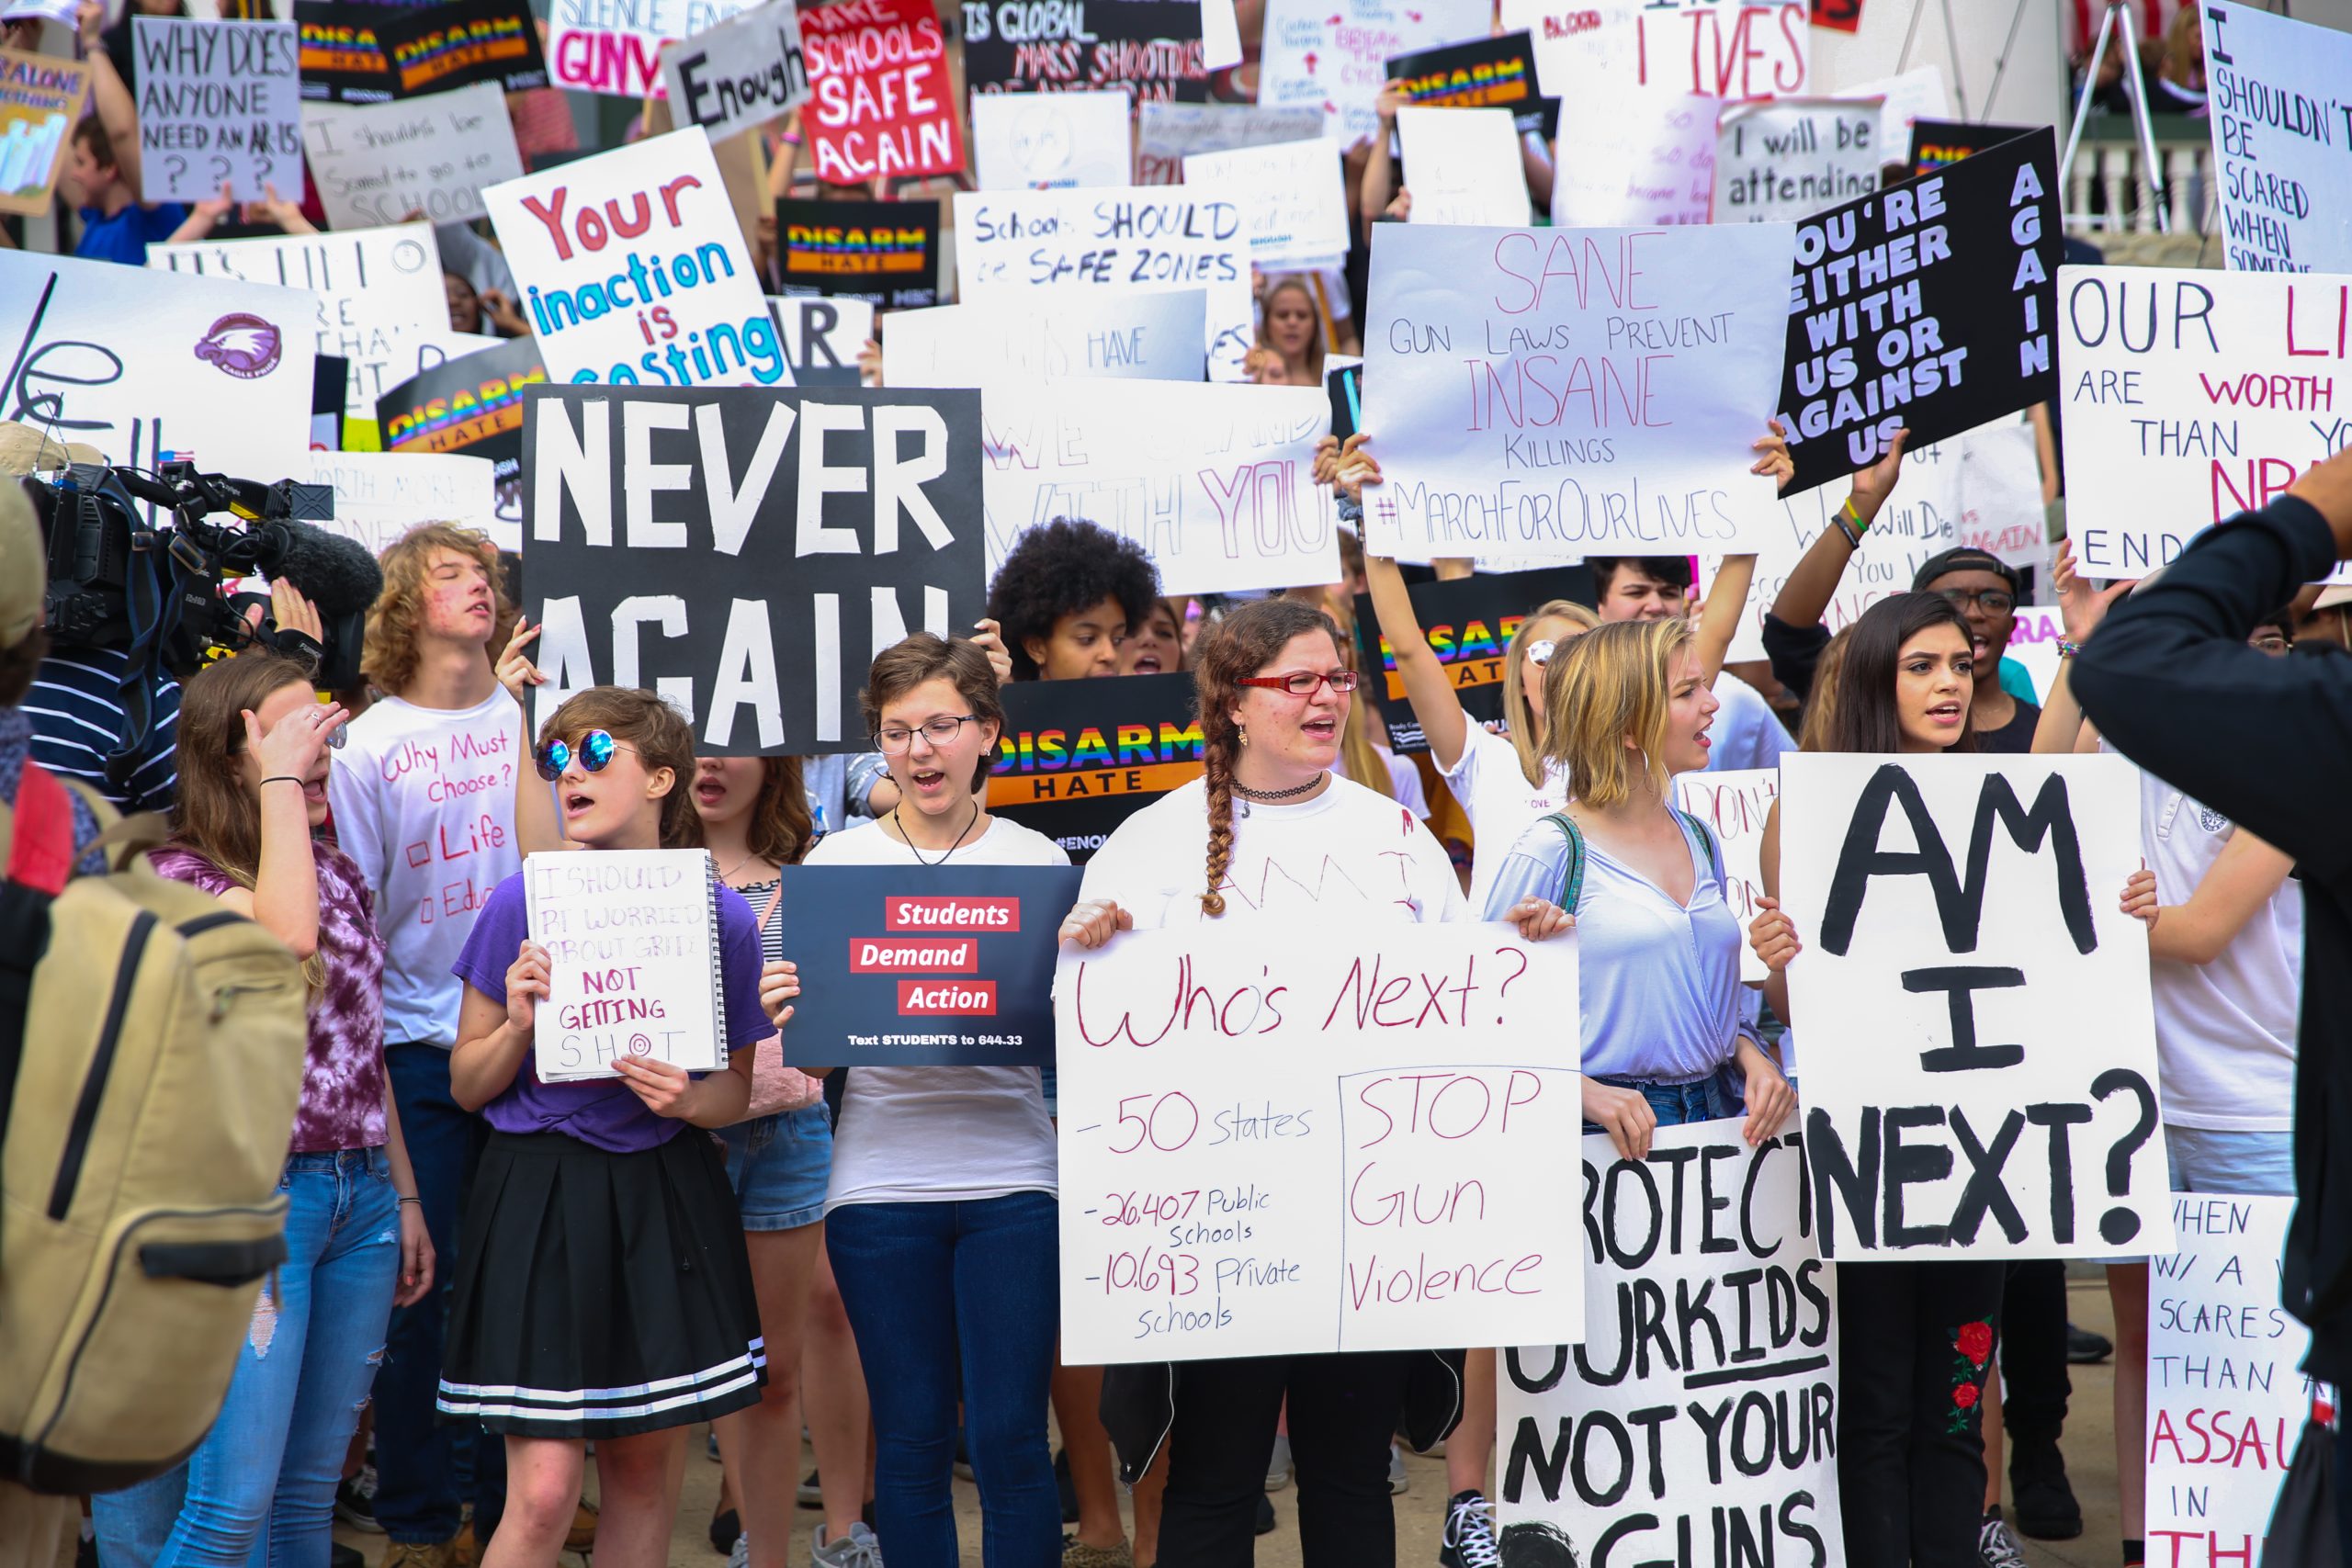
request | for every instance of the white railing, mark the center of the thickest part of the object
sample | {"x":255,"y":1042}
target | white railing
{"x":2115,"y":169}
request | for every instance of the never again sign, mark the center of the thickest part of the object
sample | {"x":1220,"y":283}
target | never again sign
{"x":746,"y":553}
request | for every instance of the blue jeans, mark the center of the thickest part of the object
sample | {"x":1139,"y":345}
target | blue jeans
{"x":1675,"y":1103}
{"x":938,"y":1289}
{"x":260,"y":1489}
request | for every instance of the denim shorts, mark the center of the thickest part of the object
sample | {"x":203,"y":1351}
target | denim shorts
{"x":779,"y":1166}
{"x":2238,"y":1164}
{"x":1676,"y":1104}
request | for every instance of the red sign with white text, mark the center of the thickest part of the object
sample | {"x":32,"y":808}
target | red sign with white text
{"x":911,"y":913}
{"x":947,"y":999}
{"x":883,"y":104}
{"x":913,"y":955}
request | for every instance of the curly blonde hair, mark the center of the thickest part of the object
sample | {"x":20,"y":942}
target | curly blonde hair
{"x":391,"y":660}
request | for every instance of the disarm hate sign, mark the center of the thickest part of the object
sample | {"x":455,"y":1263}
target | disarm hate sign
{"x":1979,"y":1044}
{"x":747,"y":553}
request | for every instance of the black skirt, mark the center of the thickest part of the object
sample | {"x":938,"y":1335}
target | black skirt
{"x":601,"y":1294}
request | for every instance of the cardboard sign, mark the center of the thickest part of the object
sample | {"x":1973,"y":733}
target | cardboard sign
{"x":634,"y":247}
{"x":1147,"y":50}
{"x":1468,"y":623}
{"x":220,"y":103}
{"x":1040,"y":141}
{"x":140,"y":364}
{"x":376,"y":164}
{"x":2226,"y":1399}
{"x":1080,"y":756}
{"x":823,"y":338}
{"x":1735,"y":802}
{"x":741,"y":75}
{"x":885,"y":253}
{"x":1335,"y":57}
{"x":2001,"y":509}
{"x":632,"y":940}
{"x":885,"y":107}
{"x":1121,"y":240}
{"x":746,"y":553}
{"x":1703,"y":1404}
{"x":1937,"y":144}
{"x":1153,"y":336}
{"x":597,"y":47}
{"x":1719,"y":49}
{"x":1488,"y":73}
{"x":1926,"y":307}
{"x":455,"y":43}
{"x":1293,"y":194}
{"x":1979,"y":1044}
{"x":379,"y":496}
{"x":2191,"y":396}
{"x":1557,"y":394}
{"x":2276,"y":91}
{"x":471,"y":404}
{"x":1165,"y":133}
{"x":1215,"y":483}
{"x":1632,"y":159}
{"x":1467,"y":167}
{"x":40,"y":99}
{"x":1783,"y":159}
{"x":1279,"y":1144}
{"x":341,"y":54}
{"x":925,"y":966}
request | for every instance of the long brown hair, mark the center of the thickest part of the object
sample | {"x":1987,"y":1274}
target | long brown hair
{"x":1240,"y":645}
{"x":662,"y":739}
{"x":781,"y":825}
{"x":390,"y":659}
{"x":1863,"y":716}
{"x":1314,"y":351}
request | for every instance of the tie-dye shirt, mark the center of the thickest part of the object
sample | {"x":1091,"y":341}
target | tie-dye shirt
{"x":343,"y":1075}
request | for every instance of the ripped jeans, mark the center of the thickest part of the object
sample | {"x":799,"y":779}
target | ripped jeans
{"x":260,"y":1489}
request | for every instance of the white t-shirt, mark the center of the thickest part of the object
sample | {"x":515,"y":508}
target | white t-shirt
{"x":1405,"y":784}
{"x":1349,"y":847}
{"x":423,"y":801}
{"x":932,"y":1134}
{"x":1499,"y":801}
{"x":1747,"y":732}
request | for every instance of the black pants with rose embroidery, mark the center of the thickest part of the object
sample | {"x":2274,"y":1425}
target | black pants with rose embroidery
{"x":1915,"y":1343}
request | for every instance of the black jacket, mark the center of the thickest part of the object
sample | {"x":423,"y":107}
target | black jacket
{"x":2170,"y":680}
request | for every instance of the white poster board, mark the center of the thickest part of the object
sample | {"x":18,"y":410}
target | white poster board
{"x":1561,"y":393}
{"x":1165,"y":133}
{"x":2034,"y":643}
{"x":1632,"y":159}
{"x":659,"y":994}
{"x":634,"y":247}
{"x":596,"y":46}
{"x":1044,"y":140}
{"x":2275,"y":90}
{"x":1335,"y":56}
{"x":2190,"y":396}
{"x":823,"y":332}
{"x":1721,"y":49}
{"x":1735,"y":802}
{"x":379,"y":496}
{"x":2001,"y":509}
{"x":1465,"y":165}
{"x":1782,"y":159}
{"x":1914,"y":95}
{"x":376,"y":164}
{"x":219,"y":103}
{"x":1703,"y":1404}
{"x":1979,"y":1042}
{"x":1292,"y":195}
{"x":1149,"y":336}
{"x":1217,"y":483}
{"x":1321,"y":1159}
{"x":741,"y":75}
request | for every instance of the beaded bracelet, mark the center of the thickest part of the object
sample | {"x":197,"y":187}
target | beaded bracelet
{"x":2068,"y":650}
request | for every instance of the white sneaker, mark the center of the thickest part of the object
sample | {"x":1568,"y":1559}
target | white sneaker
{"x":1997,"y":1547}
{"x":1278,"y":1467}
{"x":1398,"y":1482}
{"x":740,"y":1555}
{"x":857,"y":1550}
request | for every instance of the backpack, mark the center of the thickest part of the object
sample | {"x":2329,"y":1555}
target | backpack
{"x":1572,"y":884}
{"x":151,"y":1047}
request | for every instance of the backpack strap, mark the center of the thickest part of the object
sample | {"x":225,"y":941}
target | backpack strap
{"x":1572,"y":884}
{"x":1706,"y":836}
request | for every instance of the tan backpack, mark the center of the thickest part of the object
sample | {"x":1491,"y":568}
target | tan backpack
{"x":151,"y":1053}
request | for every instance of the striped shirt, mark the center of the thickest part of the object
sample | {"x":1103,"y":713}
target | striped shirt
{"x":76,"y":704}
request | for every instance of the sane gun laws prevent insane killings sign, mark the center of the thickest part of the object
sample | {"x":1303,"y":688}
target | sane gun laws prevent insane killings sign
{"x":953,"y":964}
{"x":219,"y":103}
{"x":884,"y":105}
{"x":2191,"y":396}
{"x":2282,"y":139}
{"x":1149,"y":49}
{"x":746,"y":553}
{"x":1927,"y":308}
{"x":1566,"y":393}
{"x":1468,"y":624}
{"x":1698,"y":1420}
{"x":741,"y":73}
{"x":1342,"y":1135}
{"x":1078,"y":758}
{"x":1979,"y":1045}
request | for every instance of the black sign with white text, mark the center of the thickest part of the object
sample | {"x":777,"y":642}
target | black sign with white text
{"x":1150,"y":47}
{"x":1939,"y":143}
{"x":1468,"y":624}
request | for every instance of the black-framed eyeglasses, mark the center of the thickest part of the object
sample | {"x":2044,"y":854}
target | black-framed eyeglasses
{"x":895,"y":738}
{"x":1302,"y":683}
{"x":1994,"y":601}
{"x":593,"y":749}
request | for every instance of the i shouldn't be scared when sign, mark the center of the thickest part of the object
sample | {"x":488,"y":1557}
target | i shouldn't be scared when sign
{"x":746,"y":554}
{"x":2282,"y":144}
{"x":1980,"y":1061}
{"x":1352,"y":1136}
{"x":1700,"y":1411}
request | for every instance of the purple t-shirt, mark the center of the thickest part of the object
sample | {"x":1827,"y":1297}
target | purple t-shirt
{"x":343,"y":1072}
{"x":603,"y":1113}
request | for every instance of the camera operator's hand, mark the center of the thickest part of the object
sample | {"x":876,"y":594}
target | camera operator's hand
{"x":514,"y":670}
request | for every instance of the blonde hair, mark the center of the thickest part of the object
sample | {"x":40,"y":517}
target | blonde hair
{"x":1821,"y":697}
{"x":391,"y":658}
{"x":1518,"y":719}
{"x":1314,"y":365}
{"x":1614,"y":683}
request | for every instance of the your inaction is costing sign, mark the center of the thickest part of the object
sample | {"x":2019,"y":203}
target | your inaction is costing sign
{"x":746,"y":553}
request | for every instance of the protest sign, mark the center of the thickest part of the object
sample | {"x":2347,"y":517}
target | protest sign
{"x":1703,"y":1404}
{"x":1117,"y":239}
{"x":1630,"y":159}
{"x":1926,"y":307}
{"x":2282,"y":144}
{"x":1735,"y":802}
{"x":597,"y":294}
{"x":379,"y":496}
{"x":1345,"y":385}
{"x":1335,"y":57}
{"x":885,"y":253}
{"x":1488,"y":73}
{"x":1911,"y":96}
{"x":804,"y":533}
{"x":741,"y":73}
{"x":1145,"y":49}
{"x":822,"y":338}
{"x":2226,"y":1399}
{"x":40,"y":99}
{"x":141,"y":365}
{"x":1037,"y":141}
{"x":1468,"y":624}
{"x":378,"y":163}
{"x":1465,"y":166}
{"x":1217,"y":483}
{"x":1152,"y":335}
{"x":2033,"y":645}
{"x":2190,"y":396}
{"x":1078,"y":758}
{"x":339,"y":53}
{"x":884,"y":105}
{"x":455,"y":43}
{"x":1165,"y":133}
{"x":1292,"y":195}
{"x":1350,"y":1136}
{"x":471,"y":404}
{"x":1613,"y":388}
{"x":2001,"y":509}
{"x":632,"y":940}
{"x":1720,"y":49}
{"x":925,"y":966}
{"x":1979,"y":1042}
{"x":600,"y":46}
{"x":1937,"y":144}
{"x":1782,"y":159}
{"x":220,"y":103}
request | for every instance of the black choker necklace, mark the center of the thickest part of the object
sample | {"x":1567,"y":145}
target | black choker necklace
{"x":1248,"y":794}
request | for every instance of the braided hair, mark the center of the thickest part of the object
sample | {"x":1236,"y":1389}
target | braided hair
{"x":1241,"y":644}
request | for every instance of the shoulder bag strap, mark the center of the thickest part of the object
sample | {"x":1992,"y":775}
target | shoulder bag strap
{"x":1571,"y":884}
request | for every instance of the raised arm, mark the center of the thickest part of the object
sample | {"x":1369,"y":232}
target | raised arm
{"x":1804,"y":598}
{"x":536,"y":827}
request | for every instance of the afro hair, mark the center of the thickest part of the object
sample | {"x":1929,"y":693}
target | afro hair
{"x":1066,"y":566}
